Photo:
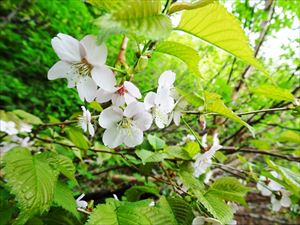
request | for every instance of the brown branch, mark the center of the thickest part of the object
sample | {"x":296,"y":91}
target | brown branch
{"x":121,"y":57}
{"x":245,"y":113}
{"x":232,"y":150}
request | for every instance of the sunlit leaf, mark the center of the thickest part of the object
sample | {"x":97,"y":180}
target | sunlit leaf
{"x":214,"y":103}
{"x":178,"y":6}
{"x":214,"y":24}
{"x":274,"y":92}
{"x":187,"y":54}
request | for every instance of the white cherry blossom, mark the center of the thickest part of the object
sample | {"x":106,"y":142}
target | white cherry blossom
{"x":82,"y":64}
{"x":8,"y":127}
{"x":177,"y":111}
{"x":203,"y":161}
{"x":125,"y":93}
{"x":85,"y":121}
{"x":201,"y":220}
{"x":282,"y":200}
{"x":81,"y":203}
{"x":267,"y":185}
{"x":124,"y":127}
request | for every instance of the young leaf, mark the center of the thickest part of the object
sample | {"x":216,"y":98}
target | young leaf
{"x":148,"y":156}
{"x":215,"y":104}
{"x":177,"y":153}
{"x":275,"y":93}
{"x":63,"y":197}
{"x":77,"y":137}
{"x":156,"y":142}
{"x":187,"y":54}
{"x":28,"y":117}
{"x":31,"y":180}
{"x":178,"y":6}
{"x":212,"y":23}
{"x":142,"y":19}
{"x":230,"y":189}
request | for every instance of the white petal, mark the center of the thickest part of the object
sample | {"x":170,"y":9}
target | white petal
{"x":67,"y":48}
{"x":133,"y":137}
{"x":143,"y":120}
{"x":275,"y":204}
{"x":113,"y":137}
{"x":176,"y":117}
{"x":166,"y":103}
{"x":149,"y":100}
{"x":95,"y":54}
{"x":274,"y":186}
{"x":103,"y":96}
{"x":104,"y":78}
{"x":132,"y":89}
{"x":264,"y":191}
{"x":91,"y":129}
{"x":63,"y":69}
{"x":117,"y":99}
{"x":86,"y":88}
{"x":285,"y":201}
{"x":167,"y":78}
{"x":159,"y":123}
{"x":133,"y":109}
{"x":110,"y":116}
{"x":199,"y":220}
{"x":129,"y":98}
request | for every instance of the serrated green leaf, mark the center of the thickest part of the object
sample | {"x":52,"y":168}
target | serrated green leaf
{"x":187,"y":54}
{"x":274,"y":92}
{"x":103,"y":215}
{"x":148,"y":156}
{"x":134,"y":193}
{"x":178,"y":209}
{"x":142,"y":19}
{"x":156,"y":142}
{"x":31,"y":180}
{"x":76,"y":136}
{"x":191,"y":98}
{"x":179,"y":6}
{"x":214,"y":103}
{"x":230,"y":189}
{"x":28,"y":117}
{"x":63,"y":197}
{"x":214,"y":24}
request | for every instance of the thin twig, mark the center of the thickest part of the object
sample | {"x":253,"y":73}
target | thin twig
{"x":232,"y":150}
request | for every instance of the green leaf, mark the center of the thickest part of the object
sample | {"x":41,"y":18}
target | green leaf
{"x":187,"y":54}
{"x":192,"y":148}
{"x":212,"y":23}
{"x":221,"y":210}
{"x":214,"y":103}
{"x":178,"y":209}
{"x":176,"y":152}
{"x":62,"y":163}
{"x":191,"y":98}
{"x":63,"y":197}
{"x":134,"y":193}
{"x":230,"y":189}
{"x":290,"y":136}
{"x":156,"y":142}
{"x":274,"y":92}
{"x":142,"y":19}
{"x":103,"y":215}
{"x":292,"y":179}
{"x":27,"y":117}
{"x":31,"y":180}
{"x":148,"y":156}
{"x":77,"y":137}
{"x":179,"y":6}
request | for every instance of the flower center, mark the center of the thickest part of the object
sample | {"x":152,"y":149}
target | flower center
{"x":125,"y":123}
{"x":122,"y":90}
{"x":83,"y":68}
{"x":161,"y":116}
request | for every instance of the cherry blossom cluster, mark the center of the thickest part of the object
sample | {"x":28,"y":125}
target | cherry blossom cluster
{"x":82,"y":63}
{"x":279,"y":196}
